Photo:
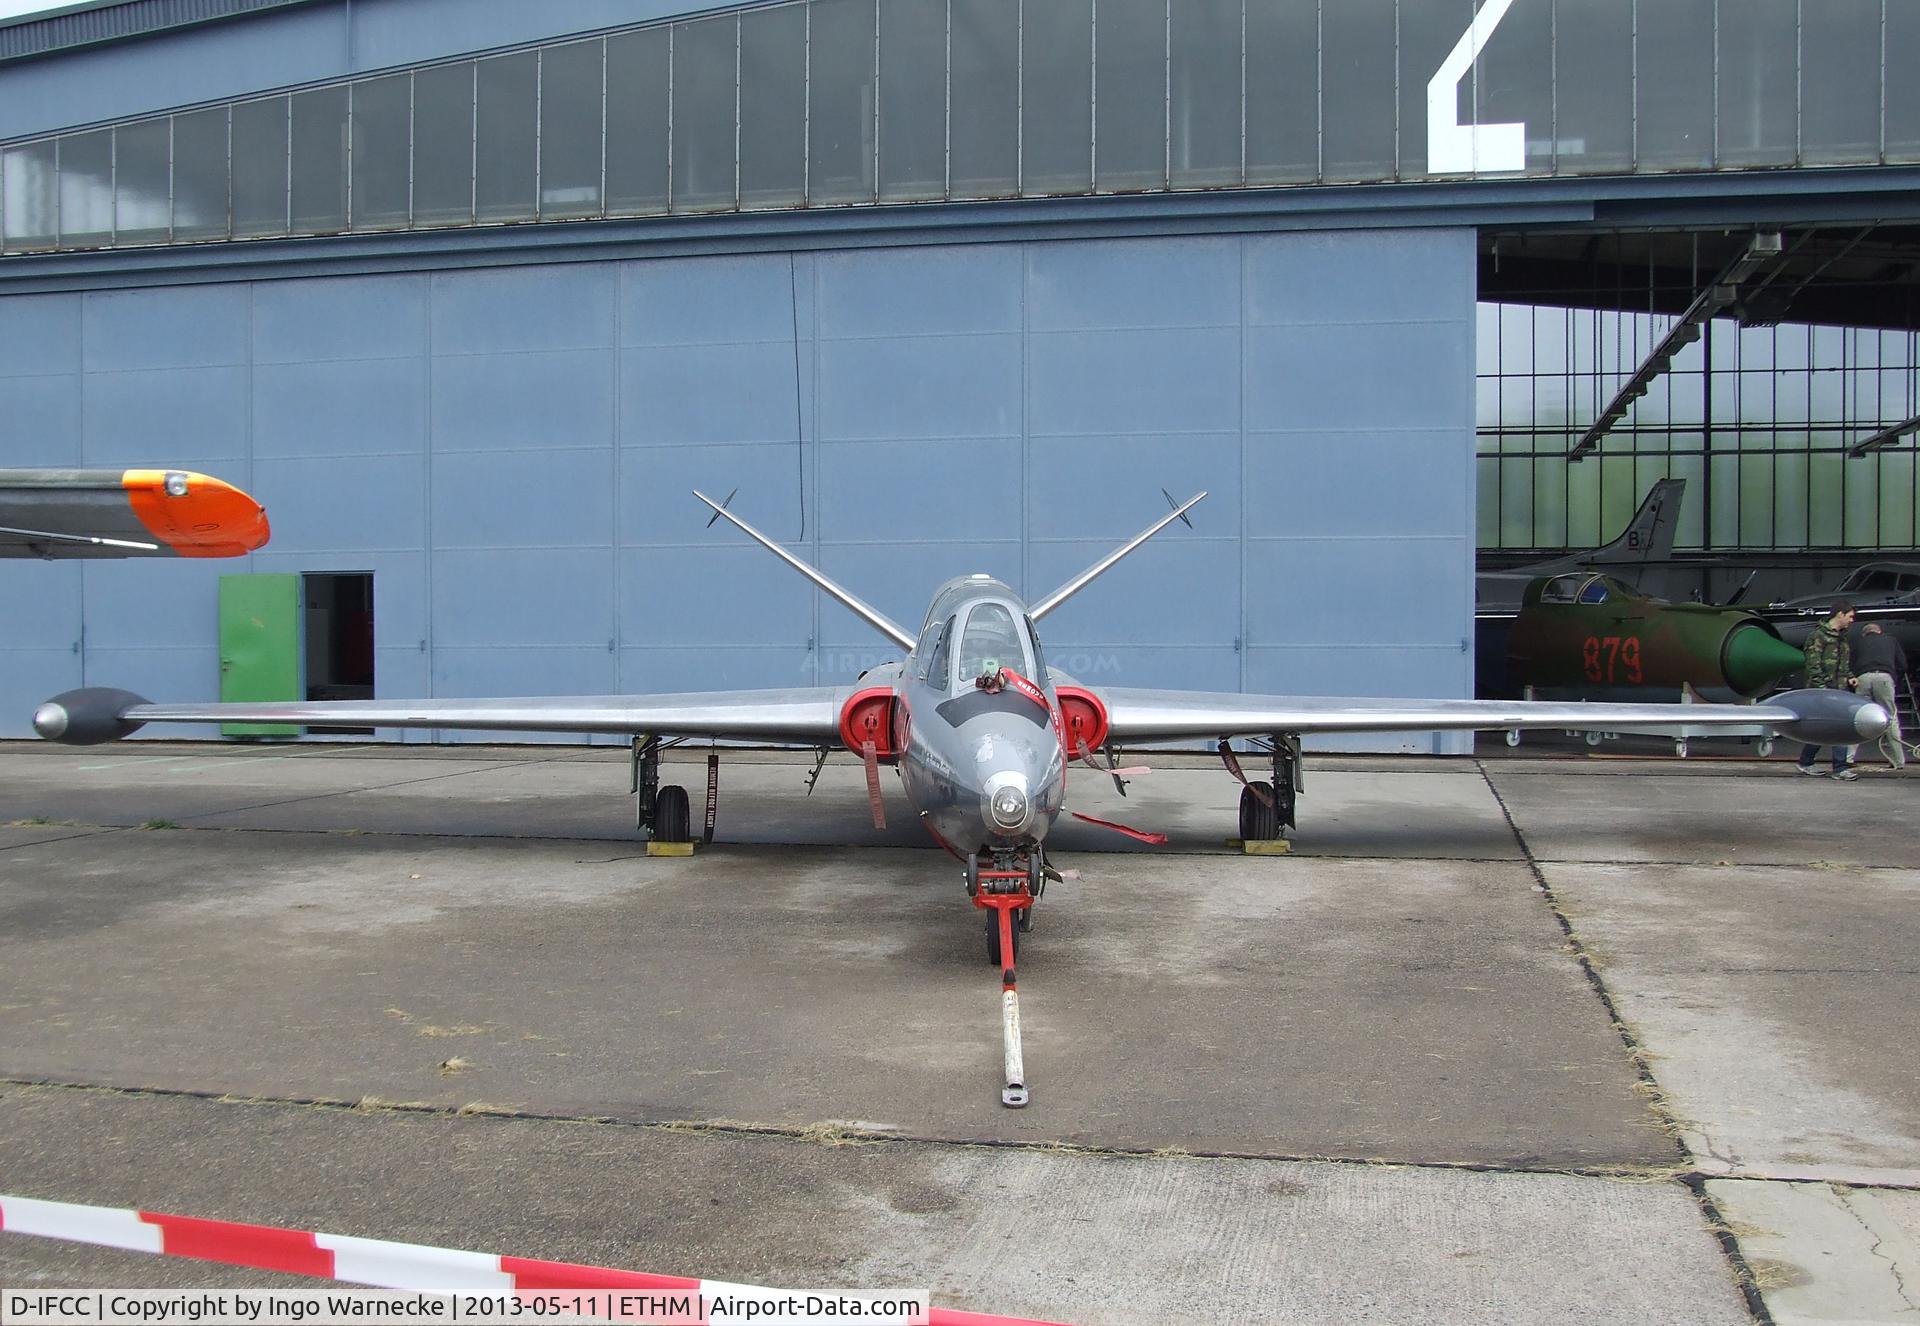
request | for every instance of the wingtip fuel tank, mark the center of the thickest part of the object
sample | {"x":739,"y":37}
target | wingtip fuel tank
{"x":88,"y":716}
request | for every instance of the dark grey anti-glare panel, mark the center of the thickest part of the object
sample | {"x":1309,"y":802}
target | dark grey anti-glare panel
{"x":1759,"y":91}
{"x":1283,"y":92}
{"x":382,"y":126}
{"x":913,"y":100}
{"x":638,"y":70}
{"x":29,"y":197}
{"x":773,"y":107}
{"x":1593,"y":85}
{"x":841,"y":102}
{"x":141,"y":180}
{"x":1674,"y":104}
{"x":570,"y":130}
{"x":1357,"y":93}
{"x":1204,"y":78}
{"x":86,"y":189}
{"x":984,"y":121}
{"x":506,"y":90}
{"x":1056,"y":97}
{"x":443,"y":145}
{"x":200,"y":175}
{"x":704,"y":86}
{"x":259,"y":151}
{"x":319,"y":182}
{"x":1130,"y":95}
{"x":1841,"y":63}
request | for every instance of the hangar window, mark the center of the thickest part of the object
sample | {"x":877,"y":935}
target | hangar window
{"x":319,"y":188}
{"x":140,"y":183}
{"x":913,"y":100}
{"x":773,"y":107}
{"x":86,"y":189}
{"x":200,"y":175}
{"x":443,"y":145}
{"x":705,"y":92}
{"x":1056,"y":97}
{"x":840,"y":101}
{"x":506,"y":90}
{"x":382,"y":128}
{"x":570,"y":130}
{"x":259,"y":157}
{"x":638,"y":75}
{"x":983,"y":118}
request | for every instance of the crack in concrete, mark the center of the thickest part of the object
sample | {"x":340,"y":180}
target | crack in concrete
{"x":1879,"y":1239}
{"x":1657,"y":1102}
{"x":852,"y":1132}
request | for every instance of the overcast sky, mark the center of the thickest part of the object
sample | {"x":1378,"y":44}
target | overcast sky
{"x":8,"y":8}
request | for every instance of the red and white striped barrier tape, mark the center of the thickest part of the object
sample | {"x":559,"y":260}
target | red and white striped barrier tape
{"x":406,"y":1266}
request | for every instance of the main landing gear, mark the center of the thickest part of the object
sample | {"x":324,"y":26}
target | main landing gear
{"x":1005,"y":887}
{"x":1267,"y":808}
{"x":662,"y":813}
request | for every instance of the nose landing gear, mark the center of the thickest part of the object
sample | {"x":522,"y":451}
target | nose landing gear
{"x":1006,"y":890}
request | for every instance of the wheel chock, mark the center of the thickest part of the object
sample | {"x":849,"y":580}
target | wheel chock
{"x":1261,"y":847}
{"x":669,"y":849}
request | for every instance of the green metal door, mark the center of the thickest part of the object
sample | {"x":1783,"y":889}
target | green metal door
{"x":259,"y":646}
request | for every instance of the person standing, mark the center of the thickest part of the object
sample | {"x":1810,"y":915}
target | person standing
{"x":1828,"y":665}
{"x":1880,"y":666}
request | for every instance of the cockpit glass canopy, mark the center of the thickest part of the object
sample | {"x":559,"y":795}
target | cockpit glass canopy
{"x":991,"y":639}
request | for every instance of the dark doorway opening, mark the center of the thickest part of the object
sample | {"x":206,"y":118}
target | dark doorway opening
{"x":339,"y":636}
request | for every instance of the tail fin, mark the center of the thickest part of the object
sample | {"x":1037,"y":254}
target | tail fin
{"x":1649,"y":536}
{"x":1088,"y":576}
{"x":872,"y":616}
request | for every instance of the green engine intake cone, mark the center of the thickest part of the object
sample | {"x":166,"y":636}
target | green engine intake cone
{"x":1756,"y":659}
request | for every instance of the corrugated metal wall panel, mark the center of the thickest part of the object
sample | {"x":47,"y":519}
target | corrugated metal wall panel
{"x":510,"y":450}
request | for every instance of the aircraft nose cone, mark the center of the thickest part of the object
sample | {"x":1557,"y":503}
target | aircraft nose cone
{"x":1870,"y":722}
{"x":50,"y":721}
{"x":1756,"y":659}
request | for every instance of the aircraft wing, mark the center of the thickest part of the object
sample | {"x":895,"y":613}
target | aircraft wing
{"x":807,"y":716}
{"x":1145,"y":716}
{"x":125,"y":513}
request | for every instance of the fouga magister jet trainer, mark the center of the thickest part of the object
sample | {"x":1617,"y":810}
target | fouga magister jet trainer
{"x":981,"y":731}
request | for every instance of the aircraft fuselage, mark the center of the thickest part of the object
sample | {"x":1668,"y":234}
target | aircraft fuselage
{"x":980,"y":755}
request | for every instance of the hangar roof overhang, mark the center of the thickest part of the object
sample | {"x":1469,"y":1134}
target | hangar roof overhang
{"x":69,"y":27}
{"x":1856,"y":273}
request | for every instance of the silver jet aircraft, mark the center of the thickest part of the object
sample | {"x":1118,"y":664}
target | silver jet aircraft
{"x":981,"y":730}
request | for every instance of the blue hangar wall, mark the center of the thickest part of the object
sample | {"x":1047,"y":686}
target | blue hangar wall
{"x":510,"y":452}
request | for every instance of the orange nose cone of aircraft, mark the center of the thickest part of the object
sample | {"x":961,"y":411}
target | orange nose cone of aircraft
{"x":194,"y":514}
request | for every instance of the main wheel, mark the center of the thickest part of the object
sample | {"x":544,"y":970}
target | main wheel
{"x":993,"y":935}
{"x":1259,"y":818}
{"x":671,"y":821}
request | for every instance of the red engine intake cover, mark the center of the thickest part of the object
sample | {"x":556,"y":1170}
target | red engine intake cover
{"x":868,"y":717}
{"x":1084,"y":719}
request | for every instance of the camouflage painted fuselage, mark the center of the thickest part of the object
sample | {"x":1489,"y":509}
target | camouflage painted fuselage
{"x":1593,"y":631}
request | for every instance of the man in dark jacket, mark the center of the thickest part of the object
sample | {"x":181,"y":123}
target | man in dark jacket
{"x":1828,"y":665}
{"x":1880,"y":667}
